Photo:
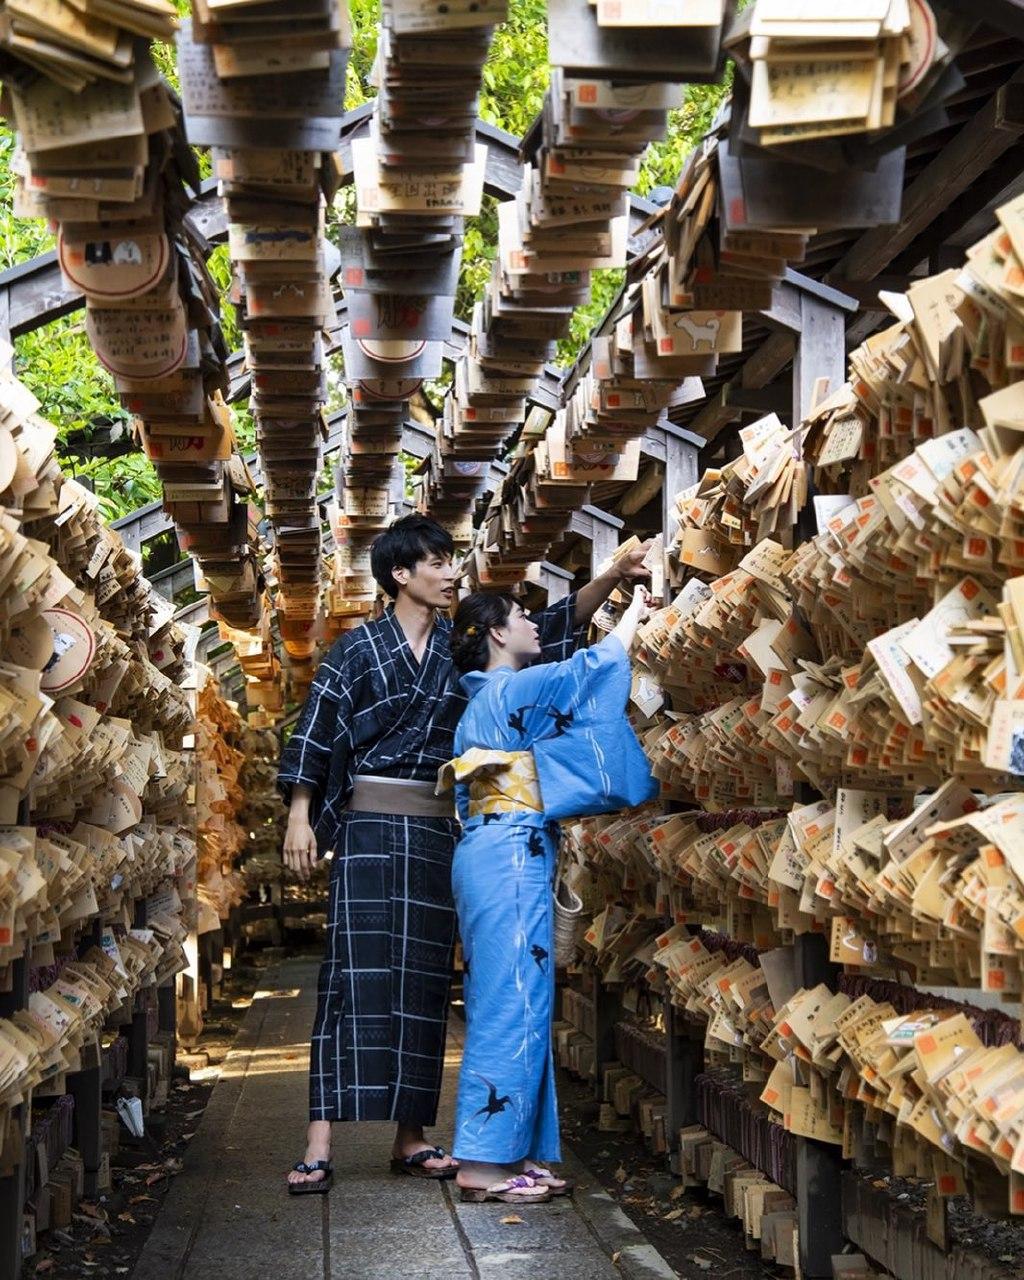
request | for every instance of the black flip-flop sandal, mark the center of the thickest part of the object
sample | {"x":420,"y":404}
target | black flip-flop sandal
{"x":414,"y":1164}
{"x":318,"y":1188}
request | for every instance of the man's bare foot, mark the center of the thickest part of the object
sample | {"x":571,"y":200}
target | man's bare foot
{"x":318,"y":1147}
{"x":410,"y":1141}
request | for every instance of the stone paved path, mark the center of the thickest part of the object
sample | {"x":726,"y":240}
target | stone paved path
{"x":228,"y":1217}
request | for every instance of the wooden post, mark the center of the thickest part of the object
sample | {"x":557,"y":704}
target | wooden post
{"x":12,"y":1204}
{"x":819,"y":1165}
{"x":684,"y":1061}
{"x":680,"y":472}
{"x":85,"y":1087}
{"x":602,"y":546}
{"x":607,"y":1012}
{"x":12,"y":1188}
{"x":138,"y":1035}
{"x":820,"y":354}
{"x":279,"y":923}
{"x":552,"y":579}
{"x":167,"y":1017}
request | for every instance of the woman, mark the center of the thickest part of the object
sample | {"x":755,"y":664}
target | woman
{"x":536,"y":744}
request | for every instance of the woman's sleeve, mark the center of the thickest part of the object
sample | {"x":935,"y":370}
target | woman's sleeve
{"x":546,"y":693}
{"x":327,"y":713}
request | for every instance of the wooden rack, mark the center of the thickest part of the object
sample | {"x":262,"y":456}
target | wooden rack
{"x":953,"y":184}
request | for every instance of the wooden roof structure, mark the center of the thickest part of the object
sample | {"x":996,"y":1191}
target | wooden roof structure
{"x":955,"y":177}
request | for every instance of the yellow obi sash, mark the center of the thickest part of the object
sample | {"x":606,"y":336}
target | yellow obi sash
{"x":499,"y":781}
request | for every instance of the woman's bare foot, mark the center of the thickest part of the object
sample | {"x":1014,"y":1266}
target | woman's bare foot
{"x":474,"y":1174}
{"x":318,"y":1147}
{"x":479,"y":1181}
{"x":543,"y":1176}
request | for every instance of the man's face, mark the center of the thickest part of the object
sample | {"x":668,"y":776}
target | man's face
{"x":430,"y":583}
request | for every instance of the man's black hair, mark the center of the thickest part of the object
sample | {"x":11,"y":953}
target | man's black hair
{"x":404,"y":545}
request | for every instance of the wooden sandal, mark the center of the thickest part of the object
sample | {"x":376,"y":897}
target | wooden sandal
{"x":318,"y":1188}
{"x":545,"y":1178}
{"x":516,"y":1190}
{"x":415,"y":1164}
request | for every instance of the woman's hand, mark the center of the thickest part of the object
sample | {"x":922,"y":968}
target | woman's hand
{"x":634,"y":614}
{"x":641,"y":603}
{"x":299,"y":839}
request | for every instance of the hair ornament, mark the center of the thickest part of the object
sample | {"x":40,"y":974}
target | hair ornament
{"x":471,"y":631}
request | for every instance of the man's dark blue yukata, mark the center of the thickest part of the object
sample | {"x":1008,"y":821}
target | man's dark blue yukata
{"x":377,"y":1048}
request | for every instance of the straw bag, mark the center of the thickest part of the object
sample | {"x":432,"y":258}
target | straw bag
{"x":568,"y":915}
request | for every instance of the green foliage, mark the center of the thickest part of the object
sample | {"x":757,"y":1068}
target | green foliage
{"x":687,"y":125}
{"x":364,"y":16}
{"x":604,"y":286}
{"x":121,"y":484}
{"x":219,"y":264}
{"x":479,"y":249}
{"x":75,"y":392}
{"x":57,"y":364}
{"x":20,"y":238}
{"x":516,"y":74}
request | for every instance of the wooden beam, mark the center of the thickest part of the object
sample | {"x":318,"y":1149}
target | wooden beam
{"x":39,"y":296}
{"x":642,"y":491}
{"x":1006,"y":15}
{"x":784,"y":313}
{"x":768,"y":361}
{"x":970,"y":217}
{"x":716,"y":414}
{"x":866,"y":291}
{"x":773,"y":398}
{"x":996,"y":127}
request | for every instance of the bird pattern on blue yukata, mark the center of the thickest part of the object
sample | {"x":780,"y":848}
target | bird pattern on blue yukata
{"x":563,"y":721}
{"x":494,"y":1105}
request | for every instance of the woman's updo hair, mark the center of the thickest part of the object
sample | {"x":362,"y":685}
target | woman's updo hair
{"x":474,"y":618}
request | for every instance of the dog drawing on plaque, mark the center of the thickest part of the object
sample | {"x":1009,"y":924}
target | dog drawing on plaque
{"x":699,"y":333}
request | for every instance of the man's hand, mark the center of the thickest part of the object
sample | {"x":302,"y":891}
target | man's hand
{"x":300,"y":846}
{"x":626,"y":573}
{"x":631,"y":567}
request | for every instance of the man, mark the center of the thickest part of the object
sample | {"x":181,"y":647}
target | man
{"x":359,"y":774}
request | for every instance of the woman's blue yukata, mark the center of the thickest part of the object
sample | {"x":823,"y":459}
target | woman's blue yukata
{"x":533,"y":746}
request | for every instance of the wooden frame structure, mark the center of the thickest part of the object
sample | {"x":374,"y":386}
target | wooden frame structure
{"x":954,"y":182}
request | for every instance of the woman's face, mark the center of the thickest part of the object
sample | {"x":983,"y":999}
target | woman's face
{"x":520,"y":635}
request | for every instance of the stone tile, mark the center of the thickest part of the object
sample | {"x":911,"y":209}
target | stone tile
{"x":541,"y":1265}
{"x":228,"y":1215}
{"x":245,"y":1257}
{"x":453,"y":1267}
{"x":546,"y":1228}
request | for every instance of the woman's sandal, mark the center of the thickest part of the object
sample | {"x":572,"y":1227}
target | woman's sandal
{"x":516,"y":1190}
{"x":545,"y":1178}
{"x":415,"y":1164}
{"x":318,"y":1188}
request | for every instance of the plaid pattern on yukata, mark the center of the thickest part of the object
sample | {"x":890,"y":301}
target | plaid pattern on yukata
{"x":377,"y":1048}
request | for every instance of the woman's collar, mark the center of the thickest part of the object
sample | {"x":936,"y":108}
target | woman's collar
{"x":473,"y":681}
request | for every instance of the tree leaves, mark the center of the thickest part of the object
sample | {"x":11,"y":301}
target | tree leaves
{"x":57,"y":364}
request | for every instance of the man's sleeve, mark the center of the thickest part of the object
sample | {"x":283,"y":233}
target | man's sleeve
{"x":307,"y":756}
{"x":559,"y":635}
